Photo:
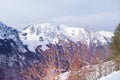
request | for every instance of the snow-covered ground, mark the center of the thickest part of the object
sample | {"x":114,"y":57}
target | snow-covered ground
{"x":93,"y":73}
{"x":113,"y":76}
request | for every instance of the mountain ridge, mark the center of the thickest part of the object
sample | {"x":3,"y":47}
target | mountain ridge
{"x":50,"y":33}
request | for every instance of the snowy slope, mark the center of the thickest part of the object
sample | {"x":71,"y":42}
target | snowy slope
{"x":46,"y":33}
{"x":112,"y":76}
{"x":10,"y":33}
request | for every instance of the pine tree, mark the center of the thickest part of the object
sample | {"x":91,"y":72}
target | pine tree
{"x":115,"y":47}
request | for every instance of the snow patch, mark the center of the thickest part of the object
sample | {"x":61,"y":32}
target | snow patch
{"x":33,"y":44}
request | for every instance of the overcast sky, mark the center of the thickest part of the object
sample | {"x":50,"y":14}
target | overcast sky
{"x":92,"y":14}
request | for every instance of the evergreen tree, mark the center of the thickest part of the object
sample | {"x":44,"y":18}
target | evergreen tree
{"x":115,"y":47}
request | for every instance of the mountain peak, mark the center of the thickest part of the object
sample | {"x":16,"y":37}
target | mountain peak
{"x":9,"y":33}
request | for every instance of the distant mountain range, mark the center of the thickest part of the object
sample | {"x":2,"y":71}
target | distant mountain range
{"x":20,"y":50}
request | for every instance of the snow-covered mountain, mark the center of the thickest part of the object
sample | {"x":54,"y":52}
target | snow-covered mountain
{"x":14,"y":57}
{"x":46,"y":33}
{"x":8,"y":33}
{"x":37,"y":45}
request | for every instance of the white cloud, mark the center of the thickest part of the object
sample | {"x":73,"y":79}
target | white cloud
{"x":20,"y":13}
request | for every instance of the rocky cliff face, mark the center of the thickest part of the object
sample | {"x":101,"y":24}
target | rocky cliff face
{"x":60,"y":44}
